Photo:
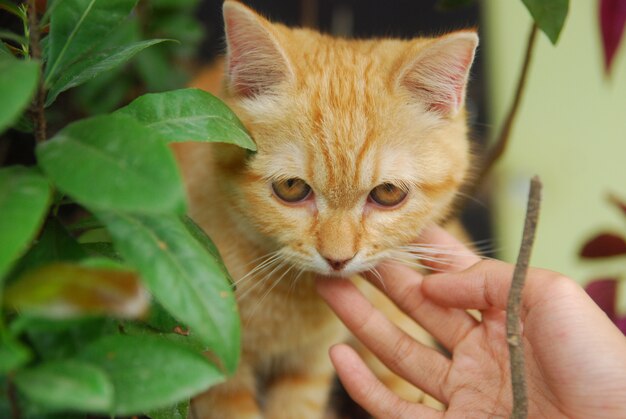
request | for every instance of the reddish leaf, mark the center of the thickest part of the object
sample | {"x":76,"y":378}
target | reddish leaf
{"x":613,"y":199}
{"x":603,"y":292}
{"x":604,"y":245}
{"x":612,"y":21}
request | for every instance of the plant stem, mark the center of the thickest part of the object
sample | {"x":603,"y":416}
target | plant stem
{"x":38,"y":108}
{"x":505,"y":133}
{"x":514,"y":306}
{"x":12,"y":396}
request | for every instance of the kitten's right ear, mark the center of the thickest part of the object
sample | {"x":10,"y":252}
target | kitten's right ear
{"x":256,"y":62}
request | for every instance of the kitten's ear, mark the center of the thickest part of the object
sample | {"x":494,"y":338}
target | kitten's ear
{"x":256,"y":62}
{"x":438,"y":74}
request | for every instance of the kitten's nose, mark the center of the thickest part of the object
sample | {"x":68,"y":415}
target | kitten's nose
{"x":338,"y":265}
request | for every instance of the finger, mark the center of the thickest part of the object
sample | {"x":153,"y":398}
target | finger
{"x":369,"y":392}
{"x":421,"y":366}
{"x":484,"y":285}
{"x":403,"y":285}
{"x":443,"y":252}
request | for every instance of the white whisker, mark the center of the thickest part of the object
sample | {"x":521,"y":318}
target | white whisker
{"x":379,"y":277}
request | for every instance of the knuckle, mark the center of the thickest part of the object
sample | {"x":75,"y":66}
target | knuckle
{"x":402,"y":349}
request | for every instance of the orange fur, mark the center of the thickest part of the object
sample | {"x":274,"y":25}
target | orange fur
{"x":344,"y":116}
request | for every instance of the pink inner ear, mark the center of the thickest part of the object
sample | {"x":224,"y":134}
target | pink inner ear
{"x":439,"y":76}
{"x":455,"y":77}
{"x":255,"y":62}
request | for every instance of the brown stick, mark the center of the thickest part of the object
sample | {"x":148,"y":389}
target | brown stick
{"x":12,"y":396}
{"x":38,"y":108}
{"x":513,"y":309}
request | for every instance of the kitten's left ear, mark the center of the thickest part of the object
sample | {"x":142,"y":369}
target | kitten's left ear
{"x":438,"y":75}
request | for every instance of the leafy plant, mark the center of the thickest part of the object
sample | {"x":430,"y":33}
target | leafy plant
{"x":107,"y":311}
{"x":603,"y":246}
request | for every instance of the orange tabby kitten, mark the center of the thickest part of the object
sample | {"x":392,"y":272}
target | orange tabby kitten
{"x":360,"y":144}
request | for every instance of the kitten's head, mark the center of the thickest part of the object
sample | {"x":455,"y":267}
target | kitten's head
{"x":360,"y":143}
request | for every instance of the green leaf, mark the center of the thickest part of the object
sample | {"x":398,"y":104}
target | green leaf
{"x":54,"y":339}
{"x":13,"y":37}
{"x":12,"y":354}
{"x":86,"y":69}
{"x":199,"y":234}
{"x":177,"y":411}
{"x":67,"y":385}
{"x":112,"y":162}
{"x":150,"y":373}
{"x":549,"y":15}
{"x":78,"y":26}
{"x":186,"y":279}
{"x":18,"y":82}
{"x":24,"y":199}
{"x":64,"y":290}
{"x":5,"y":53}
{"x":53,"y":245}
{"x":189,"y":115}
{"x":24,"y":124}
{"x":11,"y":8}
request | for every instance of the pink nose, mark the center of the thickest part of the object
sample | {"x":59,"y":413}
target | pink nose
{"x":337,"y":265}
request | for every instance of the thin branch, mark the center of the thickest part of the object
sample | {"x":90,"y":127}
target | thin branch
{"x":513,"y":309}
{"x":505,"y":133}
{"x":12,"y":396}
{"x":38,"y":108}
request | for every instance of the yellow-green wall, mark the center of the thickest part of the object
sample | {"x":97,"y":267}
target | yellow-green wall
{"x":571,"y":131}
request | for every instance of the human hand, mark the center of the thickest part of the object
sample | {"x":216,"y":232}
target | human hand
{"x":575,"y":357}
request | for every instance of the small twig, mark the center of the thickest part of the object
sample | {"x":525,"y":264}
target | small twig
{"x":513,"y":309}
{"x":12,"y":396}
{"x":38,"y":108}
{"x":505,"y":133}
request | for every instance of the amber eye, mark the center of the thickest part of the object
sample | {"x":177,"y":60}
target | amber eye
{"x":387,"y":195}
{"x":291,"y":190}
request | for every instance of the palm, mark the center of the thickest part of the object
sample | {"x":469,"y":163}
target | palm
{"x":479,"y":372}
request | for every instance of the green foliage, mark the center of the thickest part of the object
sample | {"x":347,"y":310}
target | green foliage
{"x":77,"y":27}
{"x":18,"y":80}
{"x":67,"y":385}
{"x":189,"y":114}
{"x":86,"y":69}
{"x":549,"y":15}
{"x":148,"y":372}
{"x":24,"y":199}
{"x":183,"y":276}
{"x":98,"y":225}
{"x":96,"y":161}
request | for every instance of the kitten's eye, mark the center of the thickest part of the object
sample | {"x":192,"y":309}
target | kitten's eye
{"x":291,"y":190}
{"x":387,"y":195}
